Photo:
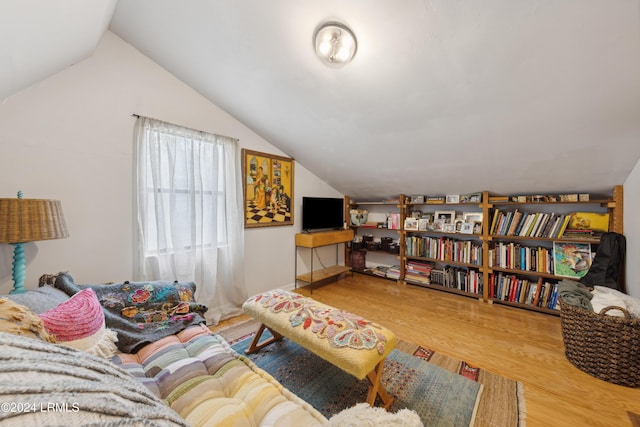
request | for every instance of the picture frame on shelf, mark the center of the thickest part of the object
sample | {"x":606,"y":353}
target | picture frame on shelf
{"x":448,"y":227}
{"x":427,"y":215}
{"x":438,"y":224}
{"x":472,"y":216}
{"x":411,"y":224}
{"x":447,"y":216}
{"x":467,"y":228}
{"x":423,"y":224}
{"x":458,"y":224}
{"x":471,"y":198}
{"x":452,"y":198}
{"x":416,"y":199}
{"x":477,"y":227}
{"x":571,"y":259}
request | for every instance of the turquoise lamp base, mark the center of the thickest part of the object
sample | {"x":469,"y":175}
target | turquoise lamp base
{"x":19,"y":270}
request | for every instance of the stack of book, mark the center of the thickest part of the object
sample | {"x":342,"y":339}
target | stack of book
{"x":393,"y":272}
{"x":419,"y":272}
{"x":579,"y":233}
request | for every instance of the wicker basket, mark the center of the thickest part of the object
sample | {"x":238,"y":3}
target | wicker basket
{"x":606,"y":347}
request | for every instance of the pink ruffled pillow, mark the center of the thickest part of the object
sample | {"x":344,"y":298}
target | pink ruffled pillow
{"x":79,"y":323}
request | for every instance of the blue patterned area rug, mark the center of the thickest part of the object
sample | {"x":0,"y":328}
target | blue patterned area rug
{"x":439,"y":396}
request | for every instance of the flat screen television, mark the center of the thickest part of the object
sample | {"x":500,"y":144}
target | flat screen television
{"x":322,"y":213}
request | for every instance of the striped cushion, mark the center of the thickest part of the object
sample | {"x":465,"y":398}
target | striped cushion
{"x":208,"y":383}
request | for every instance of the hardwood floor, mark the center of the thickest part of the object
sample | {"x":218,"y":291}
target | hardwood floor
{"x":519,"y":344}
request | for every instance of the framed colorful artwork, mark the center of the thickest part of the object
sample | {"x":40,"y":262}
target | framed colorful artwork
{"x":571,"y":259}
{"x":267,"y":189}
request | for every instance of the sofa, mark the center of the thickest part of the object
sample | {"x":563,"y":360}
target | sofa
{"x":134,"y":353}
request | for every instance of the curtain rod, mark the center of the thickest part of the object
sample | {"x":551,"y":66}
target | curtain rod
{"x":137,"y":116}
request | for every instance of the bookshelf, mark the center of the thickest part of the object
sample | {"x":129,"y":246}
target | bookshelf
{"x":377,"y":250}
{"x":456,"y":255}
{"x":493,"y":264}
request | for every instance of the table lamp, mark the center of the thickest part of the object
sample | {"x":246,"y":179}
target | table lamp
{"x":28,"y":220}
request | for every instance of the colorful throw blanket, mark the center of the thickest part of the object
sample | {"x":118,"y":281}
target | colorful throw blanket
{"x":142,"y":312}
{"x":199,"y":376}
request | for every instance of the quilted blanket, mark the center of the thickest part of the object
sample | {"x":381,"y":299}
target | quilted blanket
{"x":199,"y":376}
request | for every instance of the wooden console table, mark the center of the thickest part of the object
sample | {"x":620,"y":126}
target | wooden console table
{"x":316,"y":240}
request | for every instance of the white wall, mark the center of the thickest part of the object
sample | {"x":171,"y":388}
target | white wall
{"x":632,"y":230}
{"x":69,"y":137}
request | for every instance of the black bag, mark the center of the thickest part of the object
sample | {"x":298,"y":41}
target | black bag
{"x":608,"y":263}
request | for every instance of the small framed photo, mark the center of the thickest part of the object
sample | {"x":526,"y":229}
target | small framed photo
{"x":423,"y":224}
{"x":438,"y":224}
{"x":472,"y":216}
{"x":467,"y":228}
{"x":458,"y":224}
{"x":447,"y":216}
{"x":427,"y":215}
{"x":471,"y":198}
{"x":452,"y":198}
{"x":449,"y":228}
{"x":417,"y":199}
{"x":411,"y":224}
{"x":477,"y":227}
{"x":416,"y":214}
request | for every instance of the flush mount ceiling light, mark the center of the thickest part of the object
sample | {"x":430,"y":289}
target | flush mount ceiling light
{"x":335,"y":44}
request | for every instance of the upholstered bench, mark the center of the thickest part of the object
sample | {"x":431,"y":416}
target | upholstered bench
{"x":353,"y":344}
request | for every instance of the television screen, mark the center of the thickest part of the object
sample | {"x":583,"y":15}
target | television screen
{"x":322,"y":213}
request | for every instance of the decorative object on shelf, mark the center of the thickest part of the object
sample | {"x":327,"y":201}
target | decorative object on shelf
{"x":358,"y":217}
{"x":434,"y":200}
{"x":583,"y":197}
{"x":472,"y":216}
{"x":471,"y":198}
{"x":335,"y":44}
{"x":571,"y":259}
{"x":448,"y":227}
{"x":467,"y":228}
{"x":568,"y":197}
{"x":29,"y":220}
{"x":268,"y":189}
{"x":452,"y":198}
{"x":417,"y":199}
{"x":423,"y":224}
{"x":411,"y":224}
{"x":447,"y":216}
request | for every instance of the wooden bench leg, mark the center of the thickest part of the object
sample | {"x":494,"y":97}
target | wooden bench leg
{"x":256,"y":346}
{"x":376,"y":388}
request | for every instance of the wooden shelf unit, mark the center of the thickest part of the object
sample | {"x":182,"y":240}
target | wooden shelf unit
{"x":316,"y":240}
{"x":612,"y":205}
{"x":396,"y":207}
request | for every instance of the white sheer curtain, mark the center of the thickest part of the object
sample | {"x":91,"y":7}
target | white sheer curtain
{"x":188,"y":213}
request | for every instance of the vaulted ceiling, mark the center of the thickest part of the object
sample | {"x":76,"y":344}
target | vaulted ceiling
{"x":443,"y":96}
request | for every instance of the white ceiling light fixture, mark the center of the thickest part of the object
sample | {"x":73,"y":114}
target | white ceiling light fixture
{"x":335,"y":44}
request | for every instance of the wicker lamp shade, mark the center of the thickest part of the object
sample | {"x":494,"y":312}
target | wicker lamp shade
{"x":29,"y":220}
